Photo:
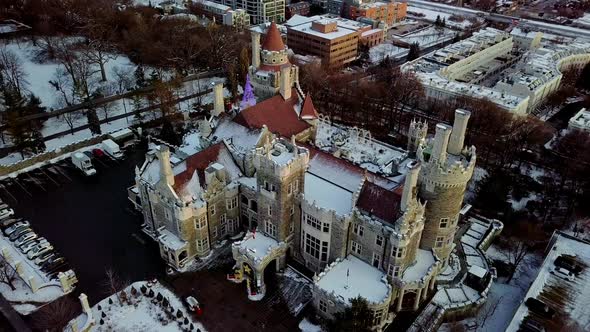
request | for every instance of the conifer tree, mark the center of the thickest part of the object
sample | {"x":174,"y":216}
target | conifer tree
{"x":93,"y":122}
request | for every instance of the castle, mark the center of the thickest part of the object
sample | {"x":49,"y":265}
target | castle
{"x":368,"y":218}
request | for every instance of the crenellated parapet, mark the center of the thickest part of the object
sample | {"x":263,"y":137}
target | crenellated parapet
{"x":281,"y":157}
{"x":456,"y":171}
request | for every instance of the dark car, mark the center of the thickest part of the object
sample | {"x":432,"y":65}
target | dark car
{"x":8,"y":222}
{"x":98,"y":153}
{"x":18,"y":233}
{"x":568,"y":263}
{"x":53,"y":260}
{"x":57,"y":268}
{"x":540,"y":307}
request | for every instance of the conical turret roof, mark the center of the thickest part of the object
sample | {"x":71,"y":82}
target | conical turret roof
{"x":273,"y":40}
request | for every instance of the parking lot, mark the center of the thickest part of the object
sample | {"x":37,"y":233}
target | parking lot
{"x":88,"y":220}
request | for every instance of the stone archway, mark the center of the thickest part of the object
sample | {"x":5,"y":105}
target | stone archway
{"x":409,"y":299}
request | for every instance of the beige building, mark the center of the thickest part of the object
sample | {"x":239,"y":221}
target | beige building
{"x":365,"y":218}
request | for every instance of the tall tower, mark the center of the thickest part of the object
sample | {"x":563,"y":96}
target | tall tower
{"x":447,"y":167}
{"x":416,"y":135}
{"x":271,"y":72}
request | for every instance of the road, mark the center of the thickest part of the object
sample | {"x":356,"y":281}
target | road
{"x":529,"y":23}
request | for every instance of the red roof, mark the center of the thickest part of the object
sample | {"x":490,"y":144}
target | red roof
{"x":380,"y":202}
{"x":273,"y":40}
{"x":277,"y":114}
{"x":198,"y":162}
{"x":308,"y":111}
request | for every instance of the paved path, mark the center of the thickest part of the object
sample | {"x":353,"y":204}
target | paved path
{"x":12,"y":316}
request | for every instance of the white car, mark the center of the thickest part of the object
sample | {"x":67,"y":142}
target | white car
{"x":31,"y":245}
{"x":25,"y":238}
{"x":5,"y":213}
{"x":563,"y":273}
{"x":192,"y":303}
{"x":40,"y":249}
{"x":16,"y":226}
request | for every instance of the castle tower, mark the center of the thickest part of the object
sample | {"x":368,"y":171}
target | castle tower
{"x":280,"y":167}
{"x":416,"y":136}
{"x":269,"y":63}
{"x":447,"y":167}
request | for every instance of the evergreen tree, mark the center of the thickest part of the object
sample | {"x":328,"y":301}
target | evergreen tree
{"x":93,"y":122}
{"x":139,"y":77}
{"x":137,"y":107}
{"x":414,"y":52}
{"x":168,"y":134}
{"x":355,"y":318}
{"x":154,"y":77}
{"x":437,"y":22}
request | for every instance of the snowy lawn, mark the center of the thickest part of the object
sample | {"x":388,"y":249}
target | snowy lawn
{"x":157,"y":309}
{"x":382,"y":51}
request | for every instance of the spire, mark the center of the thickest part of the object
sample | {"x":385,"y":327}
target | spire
{"x":308,"y":111}
{"x":249,"y":99}
{"x":273,"y":40}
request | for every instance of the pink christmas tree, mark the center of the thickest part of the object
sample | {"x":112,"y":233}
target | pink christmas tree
{"x":249,"y":99}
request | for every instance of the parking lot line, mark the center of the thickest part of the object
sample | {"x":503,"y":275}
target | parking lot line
{"x":60,"y":171}
{"x":49,"y":177}
{"x":9,"y":193}
{"x":25,"y":190}
{"x":36,"y":181}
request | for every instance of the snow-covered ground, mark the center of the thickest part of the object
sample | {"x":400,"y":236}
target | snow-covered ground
{"x":38,"y":75}
{"x":307,"y":326}
{"x":381,"y":51}
{"x":503,"y":299}
{"x":142,"y":312}
{"x":429,"y":37}
{"x":431,"y":15}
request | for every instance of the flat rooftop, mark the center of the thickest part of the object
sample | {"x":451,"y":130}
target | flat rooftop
{"x":569,"y":298}
{"x":352,"y":277}
{"x":327,"y":195}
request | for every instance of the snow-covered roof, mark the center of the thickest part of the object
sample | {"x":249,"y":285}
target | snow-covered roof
{"x":581,"y":120}
{"x":170,"y":240}
{"x":327,"y":195}
{"x":424,"y":261}
{"x":351,"y":278}
{"x":569,"y":298}
{"x":257,"y":246}
{"x":242,"y":139}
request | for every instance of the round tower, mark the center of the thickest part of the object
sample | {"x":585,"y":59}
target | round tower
{"x":446,"y":169}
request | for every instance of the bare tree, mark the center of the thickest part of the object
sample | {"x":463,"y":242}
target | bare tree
{"x":11,"y":70}
{"x":515,"y":253}
{"x":99,"y":50}
{"x":7,"y":274}
{"x":114,"y":284}
{"x":55,"y":315}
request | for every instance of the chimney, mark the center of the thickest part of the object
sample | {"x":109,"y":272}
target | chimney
{"x":409,"y":192}
{"x":458,"y":134}
{"x":285,"y":86}
{"x":218,"y":106}
{"x":441,"y":141}
{"x":255,"y":49}
{"x":165,"y":167}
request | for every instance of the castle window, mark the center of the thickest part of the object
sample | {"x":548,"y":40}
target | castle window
{"x":323,"y":306}
{"x":214,"y":231}
{"x":377,"y":316}
{"x":202,"y":245}
{"x":376,"y":260}
{"x":397,"y":252}
{"x":393,"y":270}
{"x":269,"y":210}
{"x":439,"y":241}
{"x":316,"y":248}
{"x":254,"y":205}
{"x":201,"y":222}
{"x":325,"y":227}
{"x":244,"y":200}
{"x":296,"y":185}
{"x":231,"y":203}
{"x":356,"y":247}
{"x":290,"y":190}
{"x":444,"y":222}
{"x":292,"y":212}
{"x":379,"y":240}
{"x":313,"y":222}
{"x":358,"y":229}
{"x":270,"y":228}
{"x":212,"y":209}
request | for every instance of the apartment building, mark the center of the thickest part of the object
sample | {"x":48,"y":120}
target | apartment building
{"x":386,"y":12}
{"x":260,"y":11}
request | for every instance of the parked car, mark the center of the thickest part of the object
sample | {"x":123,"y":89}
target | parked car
{"x":98,"y":153}
{"x":16,"y":226}
{"x":56,"y":264}
{"x":56,"y":270}
{"x":44,"y":257}
{"x":568,"y":263}
{"x":5,"y":213}
{"x":9,"y":222}
{"x":193,"y":305}
{"x":19,"y":232}
{"x":25,"y":238}
{"x":25,"y":248}
{"x":40,"y":249}
{"x":531,"y":325}
{"x":539,"y":307}
{"x":564,"y":273}
{"x":55,"y":259}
